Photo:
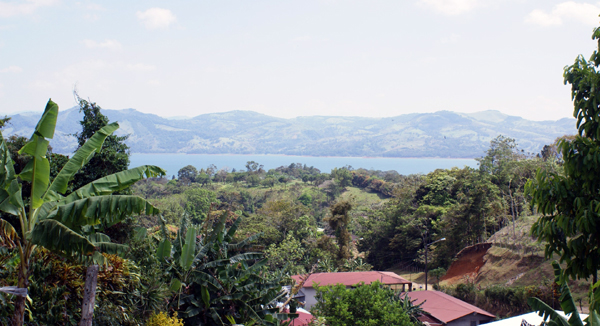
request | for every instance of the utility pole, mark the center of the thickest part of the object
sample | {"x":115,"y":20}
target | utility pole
{"x":426,"y":249}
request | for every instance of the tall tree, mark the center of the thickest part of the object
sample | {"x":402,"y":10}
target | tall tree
{"x":339,"y":222}
{"x":114,"y":155}
{"x":56,"y":221}
{"x":570,"y":200}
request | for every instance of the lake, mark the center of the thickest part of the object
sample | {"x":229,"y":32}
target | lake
{"x":173,"y":162}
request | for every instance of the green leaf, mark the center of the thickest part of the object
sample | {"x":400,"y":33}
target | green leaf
{"x":11,"y":201}
{"x":593,"y":319}
{"x":114,"y":182}
{"x":55,"y":236}
{"x":47,"y":123}
{"x":189,"y":249}
{"x":164,"y":249}
{"x":175,"y":285}
{"x":106,"y":209}
{"x":81,"y":157}
{"x":37,"y":170}
{"x":140,"y":233}
{"x":103,"y":244}
{"x":205,"y":296}
{"x":546,"y":312}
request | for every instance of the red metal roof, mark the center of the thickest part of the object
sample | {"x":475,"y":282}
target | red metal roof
{"x":352,"y":278}
{"x":304,"y":317}
{"x":445,"y":307}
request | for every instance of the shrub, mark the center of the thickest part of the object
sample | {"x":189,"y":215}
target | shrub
{"x":162,"y":319}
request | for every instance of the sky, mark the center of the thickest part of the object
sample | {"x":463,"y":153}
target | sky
{"x":375,"y":58}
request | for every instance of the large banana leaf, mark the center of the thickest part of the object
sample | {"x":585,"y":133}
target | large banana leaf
{"x":566,"y":303}
{"x":547,"y":313}
{"x":102,"y":243}
{"x":47,"y":123}
{"x":189,"y":249}
{"x":55,"y":236}
{"x":81,"y":157}
{"x":106,"y":209}
{"x":11,"y":200}
{"x":37,"y":170}
{"x":164,"y":250}
{"x":114,"y":182}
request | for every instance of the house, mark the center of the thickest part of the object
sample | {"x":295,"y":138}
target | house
{"x":531,"y":318}
{"x":444,"y":309}
{"x":349,"y":279}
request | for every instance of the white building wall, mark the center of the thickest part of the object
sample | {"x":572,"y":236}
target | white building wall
{"x":466,"y":320}
{"x":309,"y":297}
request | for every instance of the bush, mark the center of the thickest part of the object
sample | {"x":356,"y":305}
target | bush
{"x":162,"y":319}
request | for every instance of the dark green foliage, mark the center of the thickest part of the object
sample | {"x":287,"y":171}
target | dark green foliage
{"x":114,"y":155}
{"x":367,"y":304}
{"x":570,"y":200}
{"x":198,"y":202}
{"x":187,"y":174}
{"x":459,"y":204}
{"x":503,"y":300}
{"x":339,"y":221}
{"x":215,"y":278}
{"x":567,"y":304}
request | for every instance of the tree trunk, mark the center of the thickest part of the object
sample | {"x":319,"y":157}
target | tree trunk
{"x":23,"y":282}
{"x":89,"y":296}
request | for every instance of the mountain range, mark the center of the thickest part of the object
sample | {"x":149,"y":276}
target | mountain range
{"x":442,"y":134}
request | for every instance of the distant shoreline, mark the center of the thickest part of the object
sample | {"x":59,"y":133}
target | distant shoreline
{"x":311,"y":156}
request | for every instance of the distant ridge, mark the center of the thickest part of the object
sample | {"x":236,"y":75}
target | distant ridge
{"x":443,"y":134}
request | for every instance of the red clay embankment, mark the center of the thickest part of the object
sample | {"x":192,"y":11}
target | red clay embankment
{"x":468,"y":263}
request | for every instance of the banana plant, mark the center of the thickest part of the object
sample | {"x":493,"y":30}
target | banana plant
{"x":216,"y":281}
{"x":567,"y":303}
{"x":51,"y":218}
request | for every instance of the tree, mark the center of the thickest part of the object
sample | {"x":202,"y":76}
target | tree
{"x":114,"y":155}
{"x":339,"y":222}
{"x":438,"y":273}
{"x":57,"y":222}
{"x":187,"y":174}
{"x":198,"y":202}
{"x":570,"y":200}
{"x":342,"y":176}
{"x":365,"y":305}
{"x":4,"y":121}
{"x":502,"y":149}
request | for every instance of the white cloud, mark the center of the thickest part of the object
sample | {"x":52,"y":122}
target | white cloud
{"x":156,"y":18}
{"x":450,"y":7}
{"x":13,"y":69}
{"x":140,"y":67}
{"x":15,"y":8}
{"x":585,"y":13}
{"x":107,"y":44}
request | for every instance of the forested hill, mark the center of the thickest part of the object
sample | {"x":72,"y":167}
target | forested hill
{"x":439,"y":134}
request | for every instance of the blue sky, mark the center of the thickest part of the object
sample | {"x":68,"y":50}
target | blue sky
{"x":295,"y":58}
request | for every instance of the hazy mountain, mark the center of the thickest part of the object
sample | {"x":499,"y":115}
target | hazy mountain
{"x":439,"y":134}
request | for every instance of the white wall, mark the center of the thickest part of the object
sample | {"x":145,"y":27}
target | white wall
{"x":466,"y":320}
{"x":309,"y":295}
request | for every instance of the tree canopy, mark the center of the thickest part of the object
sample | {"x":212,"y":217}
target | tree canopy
{"x":570,"y":199}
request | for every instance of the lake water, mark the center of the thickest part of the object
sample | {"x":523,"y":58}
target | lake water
{"x":173,"y":162}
